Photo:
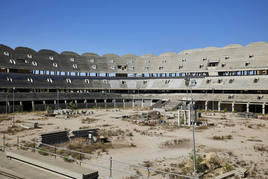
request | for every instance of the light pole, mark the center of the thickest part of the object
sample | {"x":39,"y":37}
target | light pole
{"x":190,"y":83}
{"x":13,"y":117}
{"x":58,"y":102}
{"x":213,"y":100}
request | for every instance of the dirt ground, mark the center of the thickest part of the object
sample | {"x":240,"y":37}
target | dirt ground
{"x":162,"y":146}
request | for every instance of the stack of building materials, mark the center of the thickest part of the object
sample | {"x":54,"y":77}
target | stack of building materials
{"x":54,"y":137}
{"x":29,"y":125}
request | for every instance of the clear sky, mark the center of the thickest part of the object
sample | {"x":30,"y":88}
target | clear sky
{"x":131,"y":26}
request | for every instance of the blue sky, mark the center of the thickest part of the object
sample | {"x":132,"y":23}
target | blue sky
{"x":131,"y":26}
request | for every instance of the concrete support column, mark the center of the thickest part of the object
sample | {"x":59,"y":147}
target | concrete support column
{"x":233,"y":106}
{"x":184,"y":117}
{"x":21,"y":107}
{"x":142,"y":103}
{"x":96,"y":104}
{"x":105,"y":103}
{"x":206,"y":105}
{"x":114,"y":103}
{"x":151,"y":103}
{"x":179,"y":115}
{"x":124,"y":105}
{"x":133,"y":104}
{"x":44,"y":103}
{"x":65,"y":102}
{"x":247,"y":107}
{"x":219,"y":106}
{"x":263,"y":108}
{"x":33,"y":108}
{"x":75,"y":101}
{"x":55,"y":104}
{"x":85,"y":102}
{"x":8,"y":107}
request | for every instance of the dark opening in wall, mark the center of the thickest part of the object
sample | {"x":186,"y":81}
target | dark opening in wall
{"x":213,"y":64}
{"x":19,"y":71}
{"x":27,"y":106}
{"x":121,"y":75}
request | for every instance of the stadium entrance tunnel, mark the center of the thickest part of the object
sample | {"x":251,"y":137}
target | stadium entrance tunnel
{"x":27,"y":106}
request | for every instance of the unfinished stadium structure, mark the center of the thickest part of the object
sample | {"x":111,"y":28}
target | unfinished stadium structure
{"x":232,"y":78}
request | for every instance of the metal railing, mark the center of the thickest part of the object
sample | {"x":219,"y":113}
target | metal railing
{"x":111,"y":167}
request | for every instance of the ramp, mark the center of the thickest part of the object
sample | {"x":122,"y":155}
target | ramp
{"x":65,"y":169}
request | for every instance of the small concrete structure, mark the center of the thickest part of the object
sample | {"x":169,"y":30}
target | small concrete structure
{"x":54,"y":137}
{"x":52,"y":165}
{"x":85,"y":133}
{"x":29,"y":125}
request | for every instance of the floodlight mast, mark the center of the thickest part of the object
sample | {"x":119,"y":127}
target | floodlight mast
{"x":13,"y":116}
{"x":190,"y":83}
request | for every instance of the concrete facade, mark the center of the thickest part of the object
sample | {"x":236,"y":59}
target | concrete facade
{"x":232,"y":78}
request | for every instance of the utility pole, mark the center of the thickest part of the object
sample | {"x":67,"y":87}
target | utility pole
{"x":13,"y":117}
{"x":190,"y":83}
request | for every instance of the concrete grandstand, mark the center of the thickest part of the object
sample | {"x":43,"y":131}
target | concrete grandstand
{"x":232,"y":78}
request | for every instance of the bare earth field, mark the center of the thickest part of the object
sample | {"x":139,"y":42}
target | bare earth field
{"x":232,"y":141}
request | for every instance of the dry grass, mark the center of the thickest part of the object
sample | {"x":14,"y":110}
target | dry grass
{"x":111,"y":133}
{"x":13,"y":130}
{"x":261,"y":148}
{"x":88,"y":120}
{"x":175,"y":143}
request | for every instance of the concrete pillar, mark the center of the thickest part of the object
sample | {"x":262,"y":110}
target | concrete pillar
{"x":85,"y":102}
{"x":96,"y":104}
{"x":133,"y":104}
{"x":142,"y":103}
{"x":219,"y":106}
{"x":247,"y":107}
{"x":206,"y":105}
{"x":33,"y":108}
{"x":55,"y":102}
{"x":184,"y":117}
{"x":21,"y":107}
{"x":179,"y":116}
{"x":151,"y":103}
{"x":75,"y":101}
{"x":44,"y":103}
{"x":114,"y":103}
{"x":105,"y":103}
{"x":65,"y":102}
{"x":124,"y":105}
{"x":233,"y":106}
{"x":263,"y":108}
{"x":8,"y":107}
